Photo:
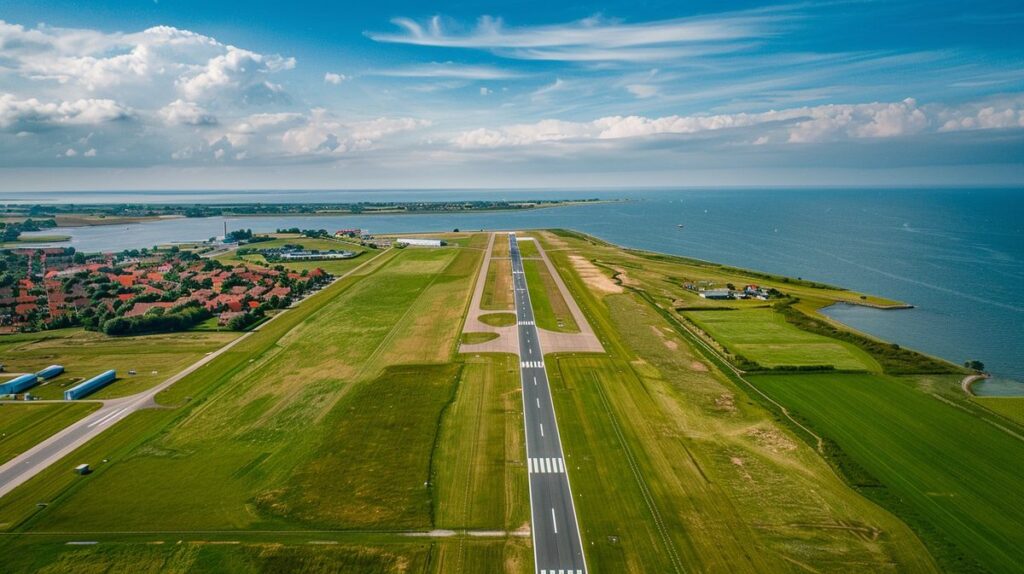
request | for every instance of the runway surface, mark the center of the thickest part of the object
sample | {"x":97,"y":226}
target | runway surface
{"x":557,"y":546}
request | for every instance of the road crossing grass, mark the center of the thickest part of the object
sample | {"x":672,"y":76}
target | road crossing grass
{"x":954,"y":474}
{"x":23,"y":425}
{"x":764,"y":336}
{"x":549,"y":307}
{"x":85,"y":354}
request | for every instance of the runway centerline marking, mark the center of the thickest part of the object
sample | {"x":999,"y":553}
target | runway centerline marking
{"x":554,"y":521}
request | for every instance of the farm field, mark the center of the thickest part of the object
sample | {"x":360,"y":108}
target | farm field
{"x":550,"y":309}
{"x":764,"y":336}
{"x":23,"y":425}
{"x":86,"y":353}
{"x":956,"y":476}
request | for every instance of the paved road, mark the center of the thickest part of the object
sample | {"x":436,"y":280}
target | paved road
{"x":557,"y":546}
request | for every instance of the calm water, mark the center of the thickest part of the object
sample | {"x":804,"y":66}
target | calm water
{"x":958,"y":255}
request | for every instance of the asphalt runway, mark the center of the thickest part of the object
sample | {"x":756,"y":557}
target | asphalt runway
{"x":557,"y":546}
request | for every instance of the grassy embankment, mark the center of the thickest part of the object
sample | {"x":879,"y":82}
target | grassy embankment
{"x":85,"y":354}
{"x":311,"y":423}
{"x":23,"y":425}
{"x":913,"y":444}
{"x":674,"y":470}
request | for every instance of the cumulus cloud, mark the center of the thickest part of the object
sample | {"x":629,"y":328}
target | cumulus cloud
{"x":180,"y":112}
{"x":802,"y":125}
{"x":29,"y":114}
{"x":142,"y":65}
{"x":333,"y":78}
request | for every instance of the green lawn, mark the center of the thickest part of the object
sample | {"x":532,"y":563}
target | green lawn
{"x":550,"y":310}
{"x":764,"y":336}
{"x":498,"y":319}
{"x":479,"y":475}
{"x":498,"y":294}
{"x":476,"y":338}
{"x":958,"y":480}
{"x":84,"y":354}
{"x":528,"y":248}
{"x":1009,"y":407}
{"x":23,"y":425}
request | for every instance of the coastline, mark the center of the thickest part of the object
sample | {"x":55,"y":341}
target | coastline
{"x":969,"y":380}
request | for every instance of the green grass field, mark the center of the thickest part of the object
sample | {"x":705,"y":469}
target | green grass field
{"x":955,"y":475}
{"x":476,"y":338}
{"x":85,"y":354}
{"x":764,"y":336}
{"x":1009,"y":407}
{"x":498,"y":294}
{"x":23,"y":425}
{"x":498,"y":319}
{"x":528,"y":248}
{"x":549,"y":307}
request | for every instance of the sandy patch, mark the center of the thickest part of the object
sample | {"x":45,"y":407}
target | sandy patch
{"x":625,"y":278}
{"x":699,"y":366}
{"x":669,"y":343}
{"x":771,"y":439}
{"x":726,"y":402}
{"x":593,"y":276}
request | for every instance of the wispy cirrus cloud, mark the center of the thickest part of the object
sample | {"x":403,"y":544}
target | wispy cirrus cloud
{"x":449,"y":70}
{"x":592,"y":39}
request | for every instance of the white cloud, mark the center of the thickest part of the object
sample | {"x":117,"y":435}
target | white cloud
{"x":591,"y":39}
{"x":28,"y":114}
{"x":642,"y":90}
{"x":180,"y":112}
{"x":449,"y":70}
{"x":70,"y":153}
{"x":1001,"y":114}
{"x":485,"y":91}
{"x":795,"y":125}
{"x":140,"y":66}
{"x":91,"y":152}
{"x":333,"y":78}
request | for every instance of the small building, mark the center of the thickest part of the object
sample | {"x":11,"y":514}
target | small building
{"x":419,"y":242}
{"x":50,"y":372}
{"x":82,"y":469}
{"x":94,"y":384}
{"x":18,"y":384}
{"x":716,"y":294}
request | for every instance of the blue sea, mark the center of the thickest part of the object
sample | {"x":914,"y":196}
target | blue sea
{"x":956,"y":254}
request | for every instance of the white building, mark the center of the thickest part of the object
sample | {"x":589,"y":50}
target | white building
{"x":419,"y":242}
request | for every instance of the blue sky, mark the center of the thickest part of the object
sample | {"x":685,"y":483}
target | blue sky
{"x":175,"y":94}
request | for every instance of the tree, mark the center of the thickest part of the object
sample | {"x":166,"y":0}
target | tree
{"x":975,"y":365}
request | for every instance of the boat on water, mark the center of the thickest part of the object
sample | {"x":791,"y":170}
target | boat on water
{"x":680,"y":226}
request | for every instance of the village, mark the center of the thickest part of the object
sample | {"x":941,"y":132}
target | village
{"x":139,"y":292}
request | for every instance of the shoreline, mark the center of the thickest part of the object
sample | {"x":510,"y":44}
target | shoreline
{"x":969,"y":380}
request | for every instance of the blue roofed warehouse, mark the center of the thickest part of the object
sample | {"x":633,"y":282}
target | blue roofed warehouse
{"x":18,"y":384}
{"x":50,"y":372}
{"x":94,"y":384}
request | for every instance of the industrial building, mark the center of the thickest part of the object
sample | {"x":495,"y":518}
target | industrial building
{"x":94,"y":384}
{"x":419,"y":242}
{"x":50,"y":372}
{"x":18,"y":384}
